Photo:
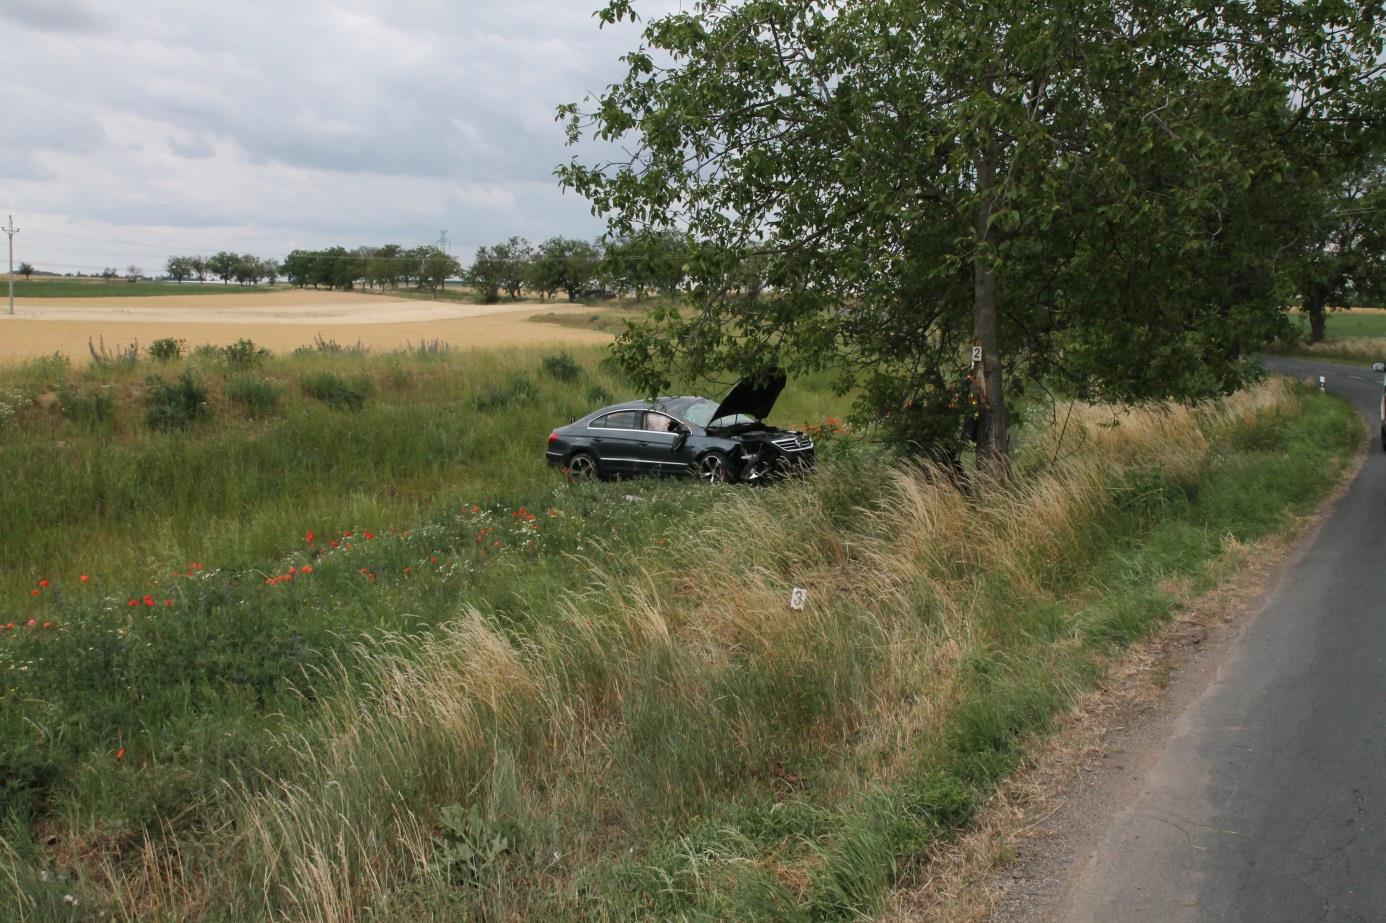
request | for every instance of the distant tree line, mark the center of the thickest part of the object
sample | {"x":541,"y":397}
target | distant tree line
{"x":241,"y":268}
{"x":640,"y":264}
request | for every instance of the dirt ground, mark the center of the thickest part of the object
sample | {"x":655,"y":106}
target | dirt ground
{"x":281,"y":321}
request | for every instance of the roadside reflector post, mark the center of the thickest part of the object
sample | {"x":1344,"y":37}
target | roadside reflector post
{"x":1323,"y":384}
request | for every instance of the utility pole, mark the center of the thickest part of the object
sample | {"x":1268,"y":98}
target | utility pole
{"x":11,"y":230}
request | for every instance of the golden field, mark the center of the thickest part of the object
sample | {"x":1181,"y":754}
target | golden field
{"x":280,"y":320}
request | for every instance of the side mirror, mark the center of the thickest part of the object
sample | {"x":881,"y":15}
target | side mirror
{"x":1379,"y":366}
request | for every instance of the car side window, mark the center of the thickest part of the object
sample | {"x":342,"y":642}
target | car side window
{"x":656,"y":422}
{"x":621,"y":419}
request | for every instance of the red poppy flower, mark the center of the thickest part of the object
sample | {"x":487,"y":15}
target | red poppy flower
{"x":408,"y":570}
{"x":196,"y":566}
{"x":33,"y":592}
{"x":84,"y":578}
{"x":309,"y":537}
{"x":369,"y":535}
{"x":120,"y":754}
{"x":335,"y":543}
{"x":306,"y":569}
{"x":32,"y":623}
{"x":148,"y":600}
{"x":168,"y":602}
{"x":47,"y":625}
{"x":43,"y":583}
{"x":132,"y":603}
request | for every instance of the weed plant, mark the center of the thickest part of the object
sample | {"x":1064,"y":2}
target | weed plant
{"x":176,"y":405}
{"x":338,"y":391}
{"x":258,"y":398}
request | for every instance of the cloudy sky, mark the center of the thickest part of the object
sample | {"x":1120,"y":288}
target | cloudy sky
{"x":151,"y":127}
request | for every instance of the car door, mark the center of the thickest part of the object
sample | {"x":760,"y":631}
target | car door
{"x":662,"y":451}
{"x":616,"y":439}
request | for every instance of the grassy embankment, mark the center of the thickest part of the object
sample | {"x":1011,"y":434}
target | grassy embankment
{"x":612,"y":713}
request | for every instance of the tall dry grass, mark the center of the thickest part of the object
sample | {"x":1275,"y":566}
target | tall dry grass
{"x":668,"y":687}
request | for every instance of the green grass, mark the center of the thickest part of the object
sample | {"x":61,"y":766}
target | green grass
{"x":508,"y":697}
{"x":1348,"y":324}
{"x":119,"y":288}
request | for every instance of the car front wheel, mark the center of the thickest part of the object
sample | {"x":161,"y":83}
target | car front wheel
{"x":714,"y":468}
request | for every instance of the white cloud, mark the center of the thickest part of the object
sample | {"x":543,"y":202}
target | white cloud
{"x":161,"y":123}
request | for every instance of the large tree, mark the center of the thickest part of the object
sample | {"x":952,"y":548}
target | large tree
{"x":179,"y":268}
{"x":563,"y":264}
{"x":223,"y":265}
{"x":1079,"y":192}
{"x":26,"y":270}
{"x":1343,"y":257}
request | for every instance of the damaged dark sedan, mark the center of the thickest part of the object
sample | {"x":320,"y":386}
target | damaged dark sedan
{"x":718,"y":442}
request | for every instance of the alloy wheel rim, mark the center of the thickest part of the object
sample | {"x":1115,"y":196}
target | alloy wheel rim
{"x":712,"y":470}
{"x":581,"y":468}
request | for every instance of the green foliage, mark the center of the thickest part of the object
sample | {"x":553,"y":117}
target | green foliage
{"x":176,"y":405}
{"x":871,"y":187}
{"x":597,"y":396}
{"x":561,"y":367}
{"x":258,"y":398}
{"x":244,"y":354}
{"x":166,"y":350}
{"x":562,"y":264}
{"x":339,"y":391}
{"x":93,"y":410}
{"x":516,"y":389}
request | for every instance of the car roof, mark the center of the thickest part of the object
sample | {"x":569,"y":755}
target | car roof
{"x":670,"y":405}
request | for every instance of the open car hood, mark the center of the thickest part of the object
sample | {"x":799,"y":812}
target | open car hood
{"x":755,"y":399}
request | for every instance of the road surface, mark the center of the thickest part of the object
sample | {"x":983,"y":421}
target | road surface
{"x":1268,"y":802}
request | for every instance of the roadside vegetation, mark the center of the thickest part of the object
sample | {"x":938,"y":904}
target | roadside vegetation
{"x":328,"y":660}
{"x":1355,"y":336}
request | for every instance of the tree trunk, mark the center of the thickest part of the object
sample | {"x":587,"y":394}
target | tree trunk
{"x":1314,"y":307}
{"x":992,"y":422}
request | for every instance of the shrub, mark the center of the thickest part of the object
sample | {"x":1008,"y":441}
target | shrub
{"x":561,"y":367}
{"x":599,"y":396}
{"x":94,"y":410}
{"x":257,"y":397}
{"x":177,"y":405}
{"x":515,"y":390}
{"x":244,"y":354}
{"x":337,"y":391}
{"x":166,"y":350}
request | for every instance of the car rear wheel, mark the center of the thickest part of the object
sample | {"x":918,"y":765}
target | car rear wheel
{"x":713,"y":468}
{"x":582,"y":466}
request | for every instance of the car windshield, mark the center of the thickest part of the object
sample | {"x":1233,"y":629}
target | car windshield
{"x":700,"y":412}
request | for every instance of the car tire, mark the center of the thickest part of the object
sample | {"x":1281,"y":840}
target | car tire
{"x":715,"y":468}
{"x":583,"y":467}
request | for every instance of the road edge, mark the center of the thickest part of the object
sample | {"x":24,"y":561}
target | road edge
{"x":1025,"y":849}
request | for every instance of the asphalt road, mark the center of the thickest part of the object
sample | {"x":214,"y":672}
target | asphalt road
{"x":1268,"y":802}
